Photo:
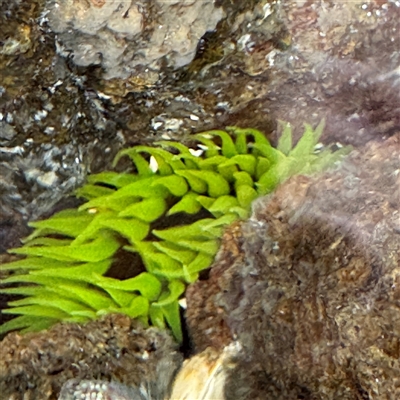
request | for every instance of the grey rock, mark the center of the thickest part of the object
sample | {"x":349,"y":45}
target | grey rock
{"x":7,"y":132}
{"x":126,"y":37}
{"x":97,"y":389}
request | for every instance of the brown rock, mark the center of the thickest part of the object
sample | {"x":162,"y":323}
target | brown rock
{"x":36,"y":365}
{"x":205,"y":319}
{"x":313,"y":295}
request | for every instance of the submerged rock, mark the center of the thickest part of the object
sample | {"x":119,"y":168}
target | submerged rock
{"x":97,"y":389}
{"x":298,"y":61}
{"x":202,"y":377}
{"x":115,"y":348}
{"x":313,"y":293}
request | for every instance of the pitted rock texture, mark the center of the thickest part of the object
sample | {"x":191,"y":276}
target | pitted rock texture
{"x":205,"y":318}
{"x":126,"y":37}
{"x":99,"y":390}
{"x":35,"y":366}
{"x":313,"y":295}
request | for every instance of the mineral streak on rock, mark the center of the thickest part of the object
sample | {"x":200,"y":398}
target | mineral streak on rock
{"x":35,"y":366}
{"x":313,"y":295}
{"x":126,"y":37}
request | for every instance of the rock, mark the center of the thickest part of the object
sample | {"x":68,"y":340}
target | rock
{"x":296,"y":61}
{"x":204,"y":317}
{"x":126,"y":37}
{"x":114,"y":348}
{"x":344,"y":60}
{"x":7,"y":132}
{"x":89,"y":389}
{"x":203,"y":376}
{"x":313,"y":292}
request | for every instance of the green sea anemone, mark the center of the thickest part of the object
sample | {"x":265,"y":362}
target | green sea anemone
{"x":62,"y":276}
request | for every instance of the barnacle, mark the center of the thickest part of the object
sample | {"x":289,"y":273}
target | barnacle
{"x":62,"y":276}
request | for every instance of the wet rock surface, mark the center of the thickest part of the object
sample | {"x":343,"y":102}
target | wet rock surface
{"x":77,"y":389}
{"x":312,"y":294}
{"x":52,"y":130}
{"x":61,"y":119}
{"x":206,"y":319}
{"x":342,"y":64}
{"x":37,"y":365}
{"x":65,"y":110}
